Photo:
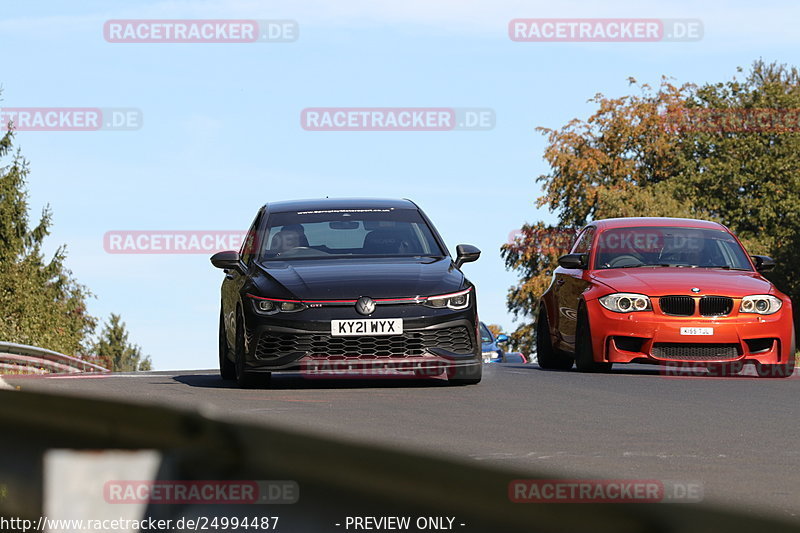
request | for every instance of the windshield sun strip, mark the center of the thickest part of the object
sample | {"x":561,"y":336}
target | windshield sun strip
{"x":279,"y":257}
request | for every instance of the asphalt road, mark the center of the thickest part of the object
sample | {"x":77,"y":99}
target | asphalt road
{"x":737,"y":436}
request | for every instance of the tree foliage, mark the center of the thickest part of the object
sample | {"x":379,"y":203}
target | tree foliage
{"x":116,"y":352}
{"x":41,"y":303}
{"x":496,"y":329}
{"x":680,"y":151}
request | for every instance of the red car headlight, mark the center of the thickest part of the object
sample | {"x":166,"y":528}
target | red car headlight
{"x":626,"y":302}
{"x":763,"y":304}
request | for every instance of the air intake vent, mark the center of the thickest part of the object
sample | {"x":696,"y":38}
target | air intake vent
{"x":695,"y":352}
{"x":409,"y":344}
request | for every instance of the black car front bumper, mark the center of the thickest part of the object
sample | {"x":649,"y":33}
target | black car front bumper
{"x":291,"y":341}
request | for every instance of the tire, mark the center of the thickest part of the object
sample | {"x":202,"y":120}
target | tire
{"x":546,"y":355}
{"x":465,"y":375}
{"x":245,"y":379}
{"x":584,"y":356}
{"x":227,"y":368}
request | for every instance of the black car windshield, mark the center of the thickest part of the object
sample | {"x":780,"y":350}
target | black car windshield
{"x":343,"y":233}
{"x":668,"y":246}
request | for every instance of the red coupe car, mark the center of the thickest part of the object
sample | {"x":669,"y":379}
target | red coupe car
{"x":664,"y":290}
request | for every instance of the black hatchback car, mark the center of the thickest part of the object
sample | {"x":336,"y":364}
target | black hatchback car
{"x":355,"y":287}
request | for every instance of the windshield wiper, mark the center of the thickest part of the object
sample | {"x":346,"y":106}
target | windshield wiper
{"x":646,"y":265}
{"x":725,"y":267}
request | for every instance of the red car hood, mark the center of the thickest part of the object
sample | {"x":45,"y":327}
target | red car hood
{"x":661,"y":281}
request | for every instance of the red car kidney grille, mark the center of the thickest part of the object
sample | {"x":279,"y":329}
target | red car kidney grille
{"x":677,"y":305}
{"x":716,"y":305}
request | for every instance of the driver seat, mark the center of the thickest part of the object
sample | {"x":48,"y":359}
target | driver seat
{"x":276,"y":244}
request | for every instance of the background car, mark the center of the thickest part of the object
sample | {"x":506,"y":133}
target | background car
{"x":514,"y":357}
{"x":492,"y":351}
{"x":664,"y":290}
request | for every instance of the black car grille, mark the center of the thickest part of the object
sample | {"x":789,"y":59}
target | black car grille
{"x":684,"y":305}
{"x":695,"y":352}
{"x":409,"y":344}
{"x":677,"y":305}
{"x":716,"y":305}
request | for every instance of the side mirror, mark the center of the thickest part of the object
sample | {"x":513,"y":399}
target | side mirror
{"x":502,"y":338}
{"x":228,"y":261}
{"x":763,"y":262}
{"x":574,"y":261}
{"x":466,"y":253}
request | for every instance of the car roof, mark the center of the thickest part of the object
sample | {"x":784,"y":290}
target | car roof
{"x":339,"y":203}
{"x":632,"y":222}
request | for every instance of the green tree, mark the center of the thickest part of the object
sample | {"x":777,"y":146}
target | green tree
{"x":114,"y":350}
{"x":662,"y":152}
{"x":40,"y":302}
{"x":496,"y":329}
{"x":533,"y":254}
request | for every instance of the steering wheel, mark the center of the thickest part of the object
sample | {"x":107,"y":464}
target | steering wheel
{"x":624,"y":260}
{"x":405,"y":247}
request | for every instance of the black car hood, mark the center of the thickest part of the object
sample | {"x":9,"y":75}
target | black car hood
{"x":334,"y":279}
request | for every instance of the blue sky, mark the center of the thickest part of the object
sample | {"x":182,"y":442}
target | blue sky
{"x":221,"y":133}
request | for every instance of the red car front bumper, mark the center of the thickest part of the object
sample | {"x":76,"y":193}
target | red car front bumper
{"x":652,"y":336}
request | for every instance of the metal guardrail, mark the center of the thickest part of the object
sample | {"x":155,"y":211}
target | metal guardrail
{"x":39,"y":360}
{"x":336,"y":478}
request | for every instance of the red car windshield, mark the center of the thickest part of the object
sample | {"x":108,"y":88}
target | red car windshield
{"x":669,"y":246}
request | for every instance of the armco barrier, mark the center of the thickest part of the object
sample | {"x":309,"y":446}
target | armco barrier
{"x":336,"y":479}
{"x":36,"y":358}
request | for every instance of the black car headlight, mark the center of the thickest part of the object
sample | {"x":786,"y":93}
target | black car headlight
{"x":762,"y":304}
{"x":265,"y":306}
{"x":291,"y":307}
{"x":626,"y":302}
{"x":270,"y":306}
{"x":456,"y":300}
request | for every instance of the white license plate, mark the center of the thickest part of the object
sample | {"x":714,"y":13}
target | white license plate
{"x":697,"y":331}
{"x":367,"y":327}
